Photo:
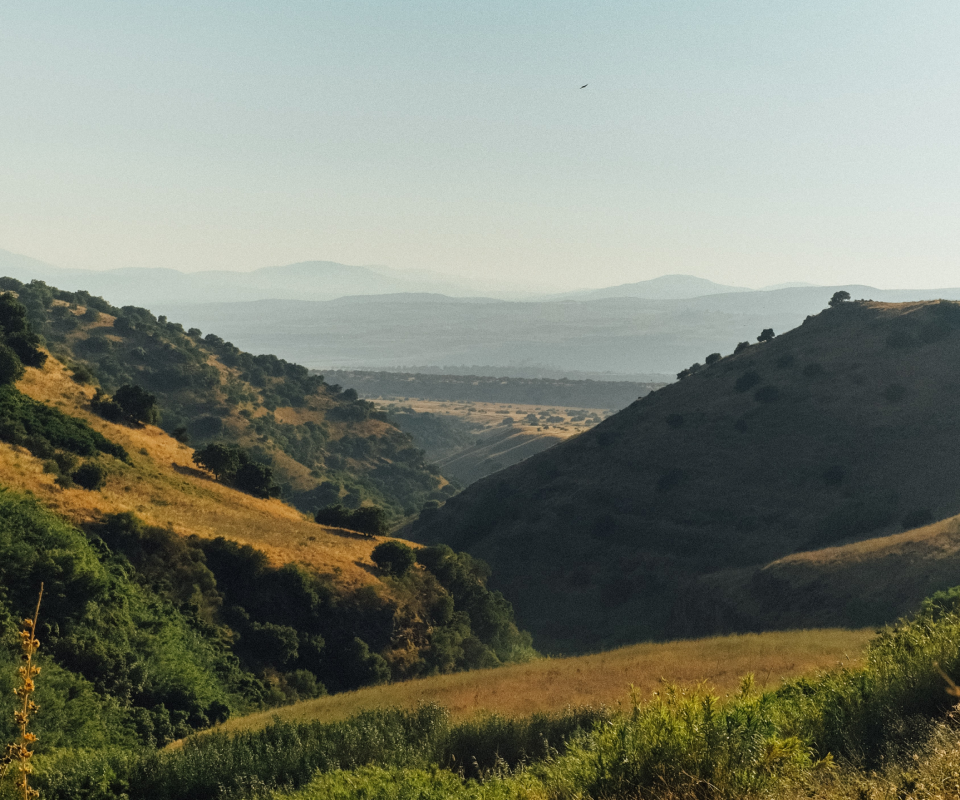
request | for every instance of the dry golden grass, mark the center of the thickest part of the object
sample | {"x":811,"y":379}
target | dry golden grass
{"x":163,"y":487}
{"x":601,"y":679}
{"x":858,"y":581}
{"x":491,"y":415}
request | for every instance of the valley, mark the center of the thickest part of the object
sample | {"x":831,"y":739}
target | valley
{"x":724,"y":545}
{"x":470,"y":440}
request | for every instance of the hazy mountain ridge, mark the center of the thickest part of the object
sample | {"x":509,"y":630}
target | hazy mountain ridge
{"x":835,"y":431}
{"x":616,"y":335}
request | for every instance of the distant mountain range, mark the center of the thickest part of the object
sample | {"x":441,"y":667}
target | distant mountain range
{"x":666,"y":287}
{"x":335,"y":316}
{"x":310,"y":280}
{"x":316,"y":280}
{"x":617,"y":335}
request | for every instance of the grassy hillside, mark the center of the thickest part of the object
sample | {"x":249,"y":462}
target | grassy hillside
{"x":840,"y":430}
{"x":174,"y":600}
{"x":323,"y":444}
{"x":603,"y":679}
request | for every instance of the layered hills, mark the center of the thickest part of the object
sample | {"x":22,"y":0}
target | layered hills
{"x":706,"y":506}
{"x":625,"y":335}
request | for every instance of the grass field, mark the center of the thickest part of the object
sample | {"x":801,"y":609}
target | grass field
{"x":601,"y":679}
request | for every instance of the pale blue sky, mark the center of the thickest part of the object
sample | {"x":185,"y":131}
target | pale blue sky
{"x":746,"y":142}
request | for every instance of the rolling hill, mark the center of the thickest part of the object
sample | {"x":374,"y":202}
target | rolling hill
{"x":652,"y":524}
{"x":323,"y":444}
{"x":173,"y":600}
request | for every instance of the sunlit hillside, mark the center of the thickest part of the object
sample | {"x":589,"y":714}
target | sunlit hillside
{"x":604,"y":679}
{"x":163,"y":487}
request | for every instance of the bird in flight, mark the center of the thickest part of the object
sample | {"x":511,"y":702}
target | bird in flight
{"x":585,"y":86}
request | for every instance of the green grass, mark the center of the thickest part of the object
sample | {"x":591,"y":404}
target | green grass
{"x":823,"y":730}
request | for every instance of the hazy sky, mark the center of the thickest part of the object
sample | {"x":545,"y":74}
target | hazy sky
{"x":746,"y":142}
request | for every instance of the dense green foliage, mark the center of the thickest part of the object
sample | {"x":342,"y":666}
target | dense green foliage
{"x":18,"y":337}
{"x":148,"y":636}
{"x":394,"y":558}
{"x":367,"y":519}
{"x":234,"y":466}
{"x":125,"y":664}
{"x":44,"y":430}
{"x":305,"y":634}
{"x":209,"y":390}
{"x":679,"y":744}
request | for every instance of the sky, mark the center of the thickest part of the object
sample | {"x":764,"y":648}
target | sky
{"x":750,"y":143}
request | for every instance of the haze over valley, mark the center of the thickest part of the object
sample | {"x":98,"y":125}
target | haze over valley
{"x":488,"y":401}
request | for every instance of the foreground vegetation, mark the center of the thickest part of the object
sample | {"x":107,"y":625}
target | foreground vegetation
{"x":824,"y":734}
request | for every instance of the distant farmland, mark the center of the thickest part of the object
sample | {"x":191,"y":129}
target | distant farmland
{"x":477,"y":388}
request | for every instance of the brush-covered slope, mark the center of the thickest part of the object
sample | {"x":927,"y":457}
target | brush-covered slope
{"x":845,"y":428}
{"x":323,"y":444}
{"x":172,"y":600}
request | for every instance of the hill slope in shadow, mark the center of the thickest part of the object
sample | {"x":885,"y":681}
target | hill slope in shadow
{"x":841,"y":430}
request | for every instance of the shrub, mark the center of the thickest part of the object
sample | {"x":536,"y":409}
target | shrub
{"x":740,"y":347}
{"x":81,"y":375}
{"x":90,"y":475}
{"x":812,"y":370}
{"x":839,"y":298}
{"x":136,"y":405}
{"x":675,"y":420}
{"x":747,"y":381}
{"x":786,"y":360}
{"x":895,"y":392}
{"x":767,"y":394}
{"x":11,"y":368}
{"x":713,"y":358}
{"x":394,"y":558}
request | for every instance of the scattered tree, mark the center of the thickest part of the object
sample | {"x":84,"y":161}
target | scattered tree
{"x":90,"y":475}
{"x":11,"y":368}
{"x":369,"y":520}
{"x":839,"y":298}
{"x":394,"y":558}
{"x":766,"y":335}
{"x":136,"y":404}
{"x":220,"y":459}
{"x":740,"y":348}
{"x":713,"y":358}
{"x":747,"y":381}
{"x":255,"y":478}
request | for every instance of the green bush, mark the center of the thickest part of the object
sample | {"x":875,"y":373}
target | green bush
{"x":394,"y":558}
{"x":747,"y":381}
{"x":90,"y":475}
{"x":11,"y":368}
